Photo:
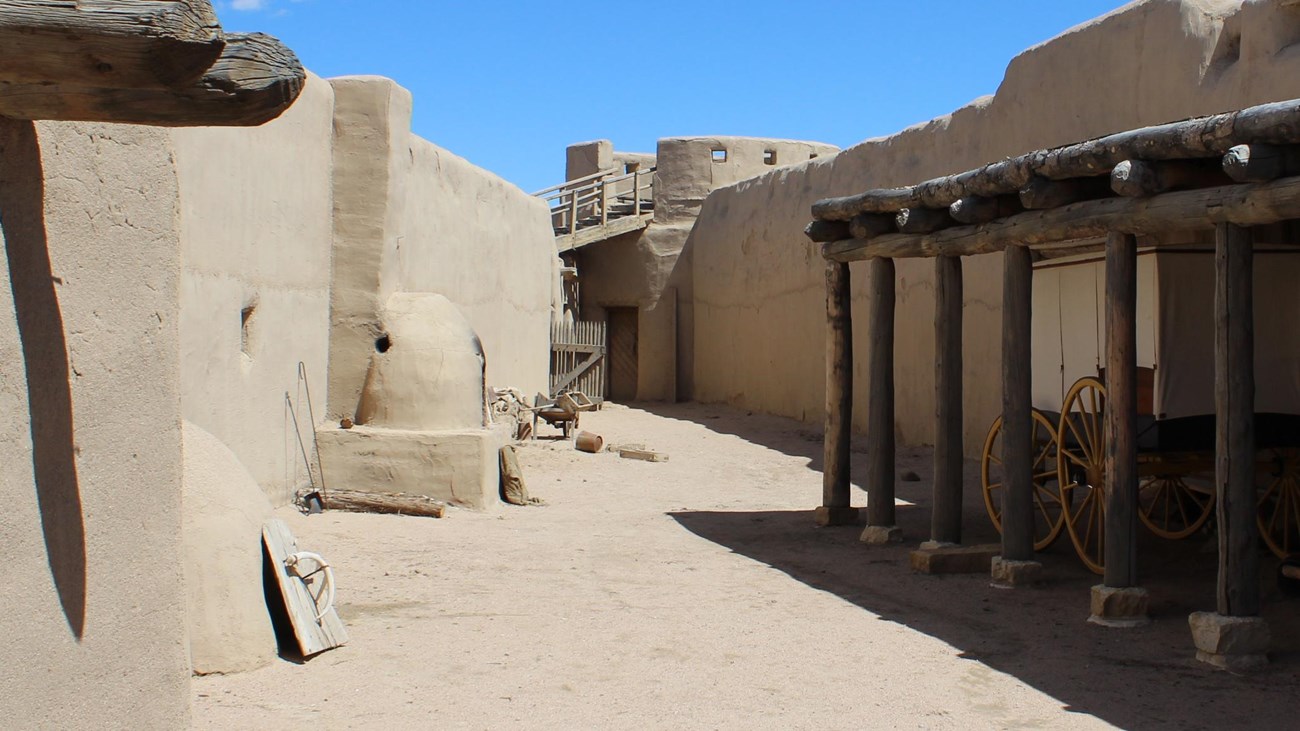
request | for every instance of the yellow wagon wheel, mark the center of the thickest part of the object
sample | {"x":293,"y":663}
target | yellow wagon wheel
{"x":1048,"y":518}
{"x":1081,"y":469}
{"x":1175,"y":506}
{"x":1278,"y":512}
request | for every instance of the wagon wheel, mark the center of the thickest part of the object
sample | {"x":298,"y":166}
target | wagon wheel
{"x":1048,"y":518}
{"x":1278,"y":511}
{"x":1175,"y":506}
{"x":1081,"y":469}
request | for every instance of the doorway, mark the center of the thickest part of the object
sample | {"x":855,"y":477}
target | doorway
{"x":622,"y":353}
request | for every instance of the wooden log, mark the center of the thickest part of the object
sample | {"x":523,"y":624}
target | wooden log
{"x":823,"y":231}
{"x":922,"y":220}
{"x":1212,"y":136}
{"x":1234,"y":406}
{"x":107,"y":43}
{"x":1017,"y":419}
{"x":880,"y":406}
{"x":254,"y":81}
{"x":975,"y":209}
{"x":945,"y":519}
{"x":1121,"y":492}
{"x":1141,"y":179}
{"x":870,"y":225}
{"x":1244,"y":205}
{"x":357,"y":501}
{"x":1261,"y":163}
{"x":1041,"y":193}
{"x":873,"y":201}
{"x":839,"y":387}
{"x":992,"y":180}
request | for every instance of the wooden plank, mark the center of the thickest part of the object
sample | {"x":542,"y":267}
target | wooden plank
{"x":945,"y":519}
{"x":1244,"y":205}
{"x":1017,"y":419}
{"x":880,"y":406}
{"x":395,"y":503}
{"x":1121,"y":412}
{"x":253,"y":81}
{"x":1234,"y":405}
{"x":839,"y":387}
{"x":143,"y":44}
{"x":313,"y":636}
{"x":642,"y":454}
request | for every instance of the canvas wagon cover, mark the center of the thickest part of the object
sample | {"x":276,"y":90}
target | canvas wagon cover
{"x":1175,"y":329}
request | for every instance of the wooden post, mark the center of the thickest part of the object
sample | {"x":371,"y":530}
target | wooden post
{"x":636,"y":192}
{"x":1017,"y":419}
{"x":604,"y":201}
{"x":1121,"y":411}
{"x":1234,"y":406}
{"x":945,"y":520}
{"x":573,"y":211}
{"x":839,"y":397}
{"x":880,"y":412}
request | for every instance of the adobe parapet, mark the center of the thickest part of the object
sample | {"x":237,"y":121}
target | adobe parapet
{"x":690,"y":167}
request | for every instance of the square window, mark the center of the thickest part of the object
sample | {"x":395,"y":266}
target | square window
{"x":769,"y":157}
{"x":719,"y":155}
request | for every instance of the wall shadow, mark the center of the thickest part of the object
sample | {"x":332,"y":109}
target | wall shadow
{"x":1135,"y":678}
{"x":45,"y":357}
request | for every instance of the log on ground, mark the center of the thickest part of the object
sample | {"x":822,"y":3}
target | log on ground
{"x":397,"y":503}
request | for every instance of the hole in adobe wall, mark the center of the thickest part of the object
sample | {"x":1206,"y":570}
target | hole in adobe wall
{"x":812,"y":156}
{"x":382,"y":343}
{"x":719,"y":155}
{"x":245,"y":327}
{"x":769,"y":157}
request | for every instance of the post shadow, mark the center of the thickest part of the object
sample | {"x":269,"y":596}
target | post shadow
{"x":45,"y":358}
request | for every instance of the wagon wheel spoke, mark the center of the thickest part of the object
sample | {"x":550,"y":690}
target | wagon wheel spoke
{"x":995,"y":459}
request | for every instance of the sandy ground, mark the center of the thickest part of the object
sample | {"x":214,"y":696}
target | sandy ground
{"x":697,"y":593}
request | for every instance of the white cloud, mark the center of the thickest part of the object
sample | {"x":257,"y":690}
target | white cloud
{"x":247,"y":4}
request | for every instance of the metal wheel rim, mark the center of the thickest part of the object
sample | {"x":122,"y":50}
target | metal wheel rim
{"x":1084,"y":503}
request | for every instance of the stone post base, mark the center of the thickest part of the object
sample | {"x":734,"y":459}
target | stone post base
{"x":829,"y":516}
{"x":949,"y":558}
{"x":1011,"y":574}
{"x":1119,"y":607}
{"x":880,"y":535}
{"x":1231,"y":643}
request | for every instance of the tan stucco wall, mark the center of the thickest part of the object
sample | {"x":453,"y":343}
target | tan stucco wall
{"x":93,"y":620}
{"x":256,"y":231}
{"x":646,"y":269}
{"x":412,"y":217}
{"x":487,"y":246}
{"x":759,"y":312}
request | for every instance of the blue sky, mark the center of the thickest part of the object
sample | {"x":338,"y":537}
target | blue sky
{"x":508,"y":85}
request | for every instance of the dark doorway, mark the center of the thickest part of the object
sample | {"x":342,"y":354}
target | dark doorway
{"x":622,"y":353}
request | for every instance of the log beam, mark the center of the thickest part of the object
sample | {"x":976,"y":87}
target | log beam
{"x":945,"y":520}
{"x":1261,"y":163}
{"x":870,"y":225}
{"x":1121,"y":412}
{"x":1244,"y":205}
{"x":839,"y":396}
{"x":1041,"y":193}
{"x":108,"y":43}
{"x":976,"y":209}
{"x":922,"y":220}
{"x":1017,"y":419}
{"x":1234,"y":406}
{"x":822,"y":231}
{"x":880,"y":409}
{"x":255,"y":79}
{"x":1141,"y":179}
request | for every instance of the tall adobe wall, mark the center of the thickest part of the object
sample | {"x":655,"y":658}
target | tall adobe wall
{"x":759,"y":287}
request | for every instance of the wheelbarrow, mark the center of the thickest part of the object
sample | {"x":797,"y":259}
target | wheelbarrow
{"x":563,"y":411}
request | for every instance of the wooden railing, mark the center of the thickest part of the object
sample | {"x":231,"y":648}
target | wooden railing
{"x":595,"y":199}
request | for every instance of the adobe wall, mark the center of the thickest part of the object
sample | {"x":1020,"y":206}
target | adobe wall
{"x":646,"y":269}
{"x":411,"y":217}
{"x":256,"y":209}
{"x":759,"y":293}
{"x":93,"y":621}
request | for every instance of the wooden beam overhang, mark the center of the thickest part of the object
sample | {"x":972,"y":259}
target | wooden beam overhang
{"x":154,"y":62}
{"x":1242,"y":205}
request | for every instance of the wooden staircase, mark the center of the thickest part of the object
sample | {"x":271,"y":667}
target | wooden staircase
{"x":600,"y":206}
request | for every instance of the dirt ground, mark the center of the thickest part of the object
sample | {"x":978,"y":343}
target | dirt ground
{"x":697,"y":593}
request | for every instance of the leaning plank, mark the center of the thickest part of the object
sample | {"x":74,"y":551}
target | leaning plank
{"x":398,"y":503}
{"x":313,"y":635}
{"x":254,"y":81}
{"x":108,"y":43}
{"x":1244,"y":205}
